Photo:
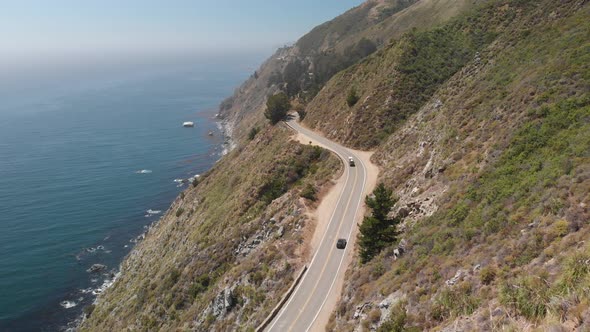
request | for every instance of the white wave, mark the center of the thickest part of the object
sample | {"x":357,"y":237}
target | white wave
{"x":88,"y":290}
{"x":193,"y":178}
{"x":150,"y":211}
{"x":143,"y":171}
{"x":106,"y":284}
{"x":68,"y":304}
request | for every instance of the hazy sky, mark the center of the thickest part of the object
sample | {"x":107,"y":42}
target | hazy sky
{"x":35,"y":29}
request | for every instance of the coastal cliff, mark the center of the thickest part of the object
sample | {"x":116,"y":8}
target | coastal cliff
{"x":478,"y":113}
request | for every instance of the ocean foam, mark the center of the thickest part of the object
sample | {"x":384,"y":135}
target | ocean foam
{"x":106,"y":284}
{"x":68,"y":304}
{"x":143,"y":171}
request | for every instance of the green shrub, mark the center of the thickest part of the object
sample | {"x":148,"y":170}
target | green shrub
{"x":309,"y":192}
{"x":352,"y":97}
{"x":200,"y":285}
{"x":455,"y":301}
{"x":174,"y":275}
{"x":257,"y":277}
{"x":179,"y":212}
{"x":528,"y":295}
{"x":397,"y":319}
{"x":560,"y":228}
{"x":487,"y":275}
{"x":576,"y":274}
{"x":286,"y":174}
{"x":458,"y":214}
{"x":253,"y":132}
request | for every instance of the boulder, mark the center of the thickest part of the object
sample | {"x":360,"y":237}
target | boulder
{"x":95,"y":268}
{"x":281,"y":231}
{"x":223,"y":302}
{"x":458,"y":276}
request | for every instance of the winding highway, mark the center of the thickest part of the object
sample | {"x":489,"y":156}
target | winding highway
{"x":308,"y":300}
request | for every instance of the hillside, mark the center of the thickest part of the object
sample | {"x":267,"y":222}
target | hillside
{"x":479,"y":116}
{"x":481,"y":128}
{"x":305,"y":67}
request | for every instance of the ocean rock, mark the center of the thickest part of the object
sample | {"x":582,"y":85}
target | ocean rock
{"x":95,"y":268}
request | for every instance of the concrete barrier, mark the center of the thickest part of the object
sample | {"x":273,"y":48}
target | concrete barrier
{"x":277,"y":308}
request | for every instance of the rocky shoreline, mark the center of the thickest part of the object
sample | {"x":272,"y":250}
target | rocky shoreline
{"x":228,"y":145}
{"x":226,"y":130}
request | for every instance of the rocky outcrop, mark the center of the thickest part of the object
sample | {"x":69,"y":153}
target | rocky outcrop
{"x":223,"y":302}
{"x":96,"y":268}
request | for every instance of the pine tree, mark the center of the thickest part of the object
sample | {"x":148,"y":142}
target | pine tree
{"x":381,"y":202}
{"x":277,"y":107}
{"x":378,"y":230}
{"x":352,"y":97}
{"x":368,"y":232}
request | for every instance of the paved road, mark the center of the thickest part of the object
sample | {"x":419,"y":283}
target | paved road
{"x":308,"y":299}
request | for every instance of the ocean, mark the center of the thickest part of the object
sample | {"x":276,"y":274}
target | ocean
{"x":85,"y":165}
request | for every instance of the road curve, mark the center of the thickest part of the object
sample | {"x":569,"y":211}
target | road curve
{"x":307,"y":301}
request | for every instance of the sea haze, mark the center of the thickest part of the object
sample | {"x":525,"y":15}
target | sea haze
{"x":71,"y":195}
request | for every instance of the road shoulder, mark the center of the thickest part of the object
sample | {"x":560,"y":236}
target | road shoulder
{"x":321,"y":217}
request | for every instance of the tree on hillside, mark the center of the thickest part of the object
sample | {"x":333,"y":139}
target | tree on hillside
{"x":277,"y":107}
{"x":378,"y":230}
{"x":352,"y":97}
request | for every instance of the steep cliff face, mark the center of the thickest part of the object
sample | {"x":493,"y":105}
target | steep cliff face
{"x":480,"y":122}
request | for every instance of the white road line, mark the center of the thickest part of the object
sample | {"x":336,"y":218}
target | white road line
{"x":345,"y":251}
{"x":321,"y":241}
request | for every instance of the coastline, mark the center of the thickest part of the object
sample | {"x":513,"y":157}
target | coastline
{"x":227,"y":145}
{"x":226,"y":130}
{"x":87,"y":195}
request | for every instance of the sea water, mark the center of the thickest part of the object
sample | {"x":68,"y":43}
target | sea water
{"x":85,"y":166}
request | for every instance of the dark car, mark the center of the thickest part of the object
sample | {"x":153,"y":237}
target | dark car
{"x":341,"y":243}
{"x":351,"y":161}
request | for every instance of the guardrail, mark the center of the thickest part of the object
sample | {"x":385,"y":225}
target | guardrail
{"x":277,"y":308}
